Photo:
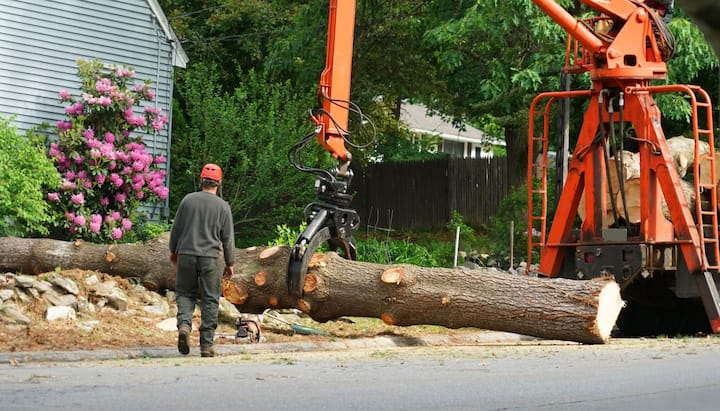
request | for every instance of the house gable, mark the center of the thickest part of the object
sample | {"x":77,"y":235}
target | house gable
{"x":464,"y":141}
{"x":41,"y":41}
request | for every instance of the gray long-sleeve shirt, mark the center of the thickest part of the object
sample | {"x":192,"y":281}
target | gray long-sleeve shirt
{"x":203,"y":227}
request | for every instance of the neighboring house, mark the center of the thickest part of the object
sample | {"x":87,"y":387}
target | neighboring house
{"x":41,"y":41}
{"x":461,"y":142}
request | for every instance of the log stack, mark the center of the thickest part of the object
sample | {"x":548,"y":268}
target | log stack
{"x":682,"y":150}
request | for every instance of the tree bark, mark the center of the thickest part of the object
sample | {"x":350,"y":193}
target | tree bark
{"x":583,"y":311}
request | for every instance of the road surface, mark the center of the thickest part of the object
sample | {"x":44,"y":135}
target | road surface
{"x":650,"y":374}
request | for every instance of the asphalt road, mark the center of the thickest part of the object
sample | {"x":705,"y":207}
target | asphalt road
{"x":657,"y":374}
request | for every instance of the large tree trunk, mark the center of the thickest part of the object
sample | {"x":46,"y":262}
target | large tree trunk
{"x":583,"y":311}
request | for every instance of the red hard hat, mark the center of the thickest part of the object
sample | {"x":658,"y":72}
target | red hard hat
{"x":212,"y":172}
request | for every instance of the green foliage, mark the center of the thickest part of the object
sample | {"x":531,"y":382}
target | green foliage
{"x":286,"y":236}
{"x":25,"y":175}
{"x":248,"y":133}
{"x":395,"y":252}
{"x":144,"y":230}
{"x":467,"y":233}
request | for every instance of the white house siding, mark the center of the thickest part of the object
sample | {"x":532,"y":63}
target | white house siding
{"x":41,"y":41}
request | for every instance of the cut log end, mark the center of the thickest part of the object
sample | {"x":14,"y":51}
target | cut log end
{"x":260,"y":278}
{"x":609,"y":305}
{"x":109,"y":257}
{"x":393,"y":275}
{"x":236,"y":294}
{"x":311,"y":282}
{"x":269,"y":252}
{"x":387,"y":319}
{"x":303,"y":305}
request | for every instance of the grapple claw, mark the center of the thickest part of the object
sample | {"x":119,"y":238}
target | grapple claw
{"x":329,"y":223}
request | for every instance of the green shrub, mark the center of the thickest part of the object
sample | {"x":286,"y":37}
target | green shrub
{"x":25,"y":174}
{"x":285,"y":235}
{"x":395,"y":252}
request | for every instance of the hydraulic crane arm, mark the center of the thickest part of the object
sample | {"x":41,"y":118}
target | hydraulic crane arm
{"x":334,"y":91}
{"x":330,"y":219}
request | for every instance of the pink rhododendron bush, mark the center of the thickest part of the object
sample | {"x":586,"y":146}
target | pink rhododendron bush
{"x":106,"y":170}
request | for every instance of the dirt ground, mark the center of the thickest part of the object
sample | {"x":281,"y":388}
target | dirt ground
{"x":107,"y":328}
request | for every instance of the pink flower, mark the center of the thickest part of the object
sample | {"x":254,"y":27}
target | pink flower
{"x":89,"y":133}
{"x":54,"y":150}
{"x":63,"y":126}
{"x":95,"y":218}
{"x":139,"y":195}
{"x":109,"y":137}
{"x":53,"y":197}
{"x":162,"y":192}
{"x":116,"y":233}
{"x":70,"y":175}
{"x":160,"y":159}
{"x":104,"y":101}
{"x":93,"y":143}
{"x":100,"y":178}
{"x":126,"y":224}
{"x":95,"y":227}
{"x":64,"y":94}
{"x":120,"y":197}
{"x":79,"y":221}
{"x":115,"y":215}
{"x":77,"y":198}
{"x":104,"y":201}
{"x":116,"y":179}
{"x":67,"y":185}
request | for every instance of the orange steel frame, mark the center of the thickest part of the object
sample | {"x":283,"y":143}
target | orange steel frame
{"x":628,"y":64}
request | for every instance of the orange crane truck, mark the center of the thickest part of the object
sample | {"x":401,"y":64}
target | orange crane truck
{"x":667,"y":268}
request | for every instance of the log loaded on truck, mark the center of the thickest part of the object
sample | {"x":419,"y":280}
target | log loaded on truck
{"x":667,"y":264}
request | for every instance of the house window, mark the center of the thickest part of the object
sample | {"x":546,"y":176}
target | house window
{"x":454,"y":148}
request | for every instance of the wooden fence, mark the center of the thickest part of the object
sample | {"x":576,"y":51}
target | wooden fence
{"x":422,"y":194}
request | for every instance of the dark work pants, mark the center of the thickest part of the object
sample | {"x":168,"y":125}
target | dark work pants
{"x":199,"y":277}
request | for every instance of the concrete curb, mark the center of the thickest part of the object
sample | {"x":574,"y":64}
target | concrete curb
{"x":480,"y":338}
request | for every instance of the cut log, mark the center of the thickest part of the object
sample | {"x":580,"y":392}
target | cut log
{"x":682,"y":150}
{"x":573,"y":310}
{"x":630,"y":169}
{"x":633,"y":199}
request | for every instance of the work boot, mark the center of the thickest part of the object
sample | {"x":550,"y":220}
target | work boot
{"x":207,"y":351}
{"x":184,"y":339}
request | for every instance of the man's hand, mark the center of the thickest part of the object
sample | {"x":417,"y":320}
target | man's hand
{"x":228,"y":272}
{"x":173,"y":258}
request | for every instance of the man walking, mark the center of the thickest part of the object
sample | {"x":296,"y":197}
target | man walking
{"x":203,"y":227}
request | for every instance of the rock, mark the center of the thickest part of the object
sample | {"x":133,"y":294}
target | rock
{"x":32,"y":292}
{"x":155,"y":309}
{"x":115,"y":297}
{"x":91,"y":281}
{"x":43,"y":286}
{"x":25,"y":281}
{"x":87,"y":325}
{"x":64,"y":283}
{"x":85,"y":306}
{"x":60,"y":300}
{"x":60,"y":313}
{"x":12,"y":313}
{"x":6,"y":294}
{"x":169,"y":324}
{"x":227,"y":312}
